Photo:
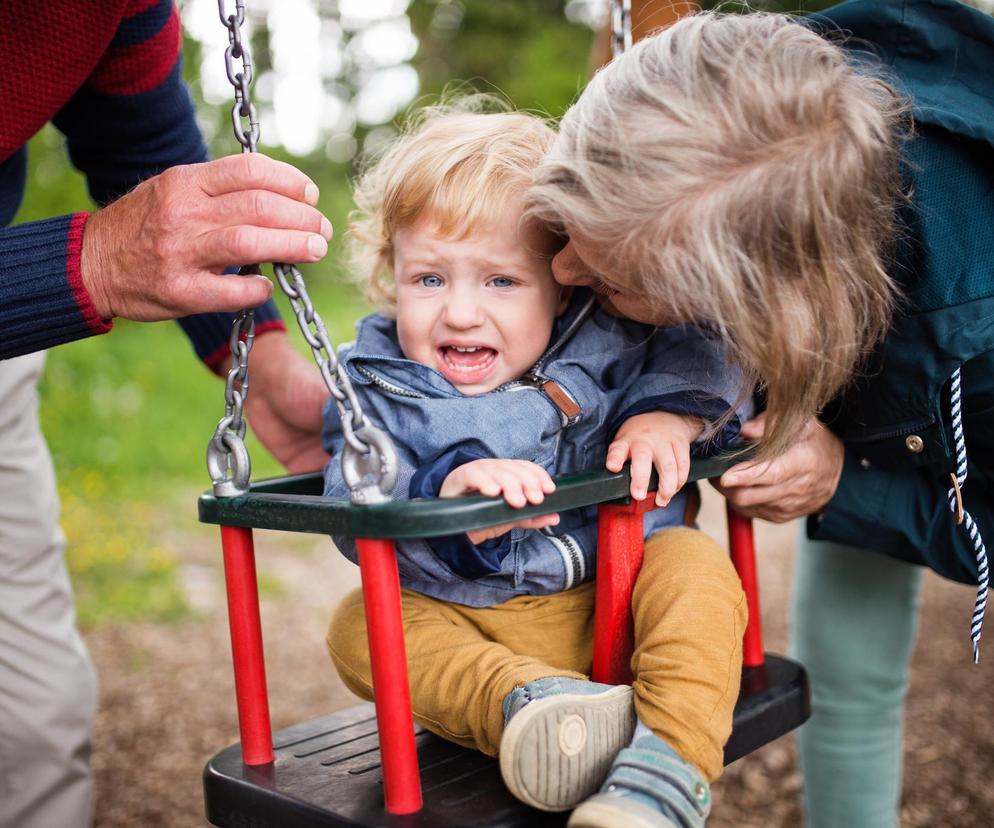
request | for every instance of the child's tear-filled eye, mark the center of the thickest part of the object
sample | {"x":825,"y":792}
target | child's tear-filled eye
{"x":501,"y":281}
{"x":430,"y":280}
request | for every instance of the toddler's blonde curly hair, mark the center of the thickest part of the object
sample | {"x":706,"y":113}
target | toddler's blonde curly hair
{"x":460,"y":162}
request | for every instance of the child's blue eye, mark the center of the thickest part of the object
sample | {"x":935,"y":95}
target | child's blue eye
{"x":431,"y":280}
{"x":501,"y":281}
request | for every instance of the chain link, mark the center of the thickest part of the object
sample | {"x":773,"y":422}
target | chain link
{"x":369,"y":459}
{"x":621,"y":26}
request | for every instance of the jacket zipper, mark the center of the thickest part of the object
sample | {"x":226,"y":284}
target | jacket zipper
{"x":376,"y":379}
{"x":572,"y":559}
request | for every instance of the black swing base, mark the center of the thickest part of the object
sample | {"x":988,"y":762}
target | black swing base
{"x":327,"y":772}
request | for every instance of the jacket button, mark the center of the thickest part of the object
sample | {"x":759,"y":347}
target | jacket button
{"x":914,"y":443}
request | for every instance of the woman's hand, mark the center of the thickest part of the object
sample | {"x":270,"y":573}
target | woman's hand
{"x":658,"y":439}
{"x":799,"y":482}
{"x":520,"y":482}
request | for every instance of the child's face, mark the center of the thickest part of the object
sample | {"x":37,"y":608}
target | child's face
{"x":479,"y":309}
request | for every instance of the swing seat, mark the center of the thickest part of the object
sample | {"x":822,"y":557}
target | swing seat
{"x":330,"y":771}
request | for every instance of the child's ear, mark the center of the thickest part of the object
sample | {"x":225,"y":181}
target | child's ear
{"x":565,"y":294}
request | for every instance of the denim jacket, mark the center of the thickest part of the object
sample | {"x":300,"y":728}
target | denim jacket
{"x":604,"y":370}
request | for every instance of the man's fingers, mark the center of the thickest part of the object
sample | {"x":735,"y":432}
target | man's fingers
{"x":253,"y":171}
{"x":262,"y":208}
{"x":244,"y":244}
{"x":210,"y":292}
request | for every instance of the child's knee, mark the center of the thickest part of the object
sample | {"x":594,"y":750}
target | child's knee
{"x":685,"y":555}
{"x":347,"y":643}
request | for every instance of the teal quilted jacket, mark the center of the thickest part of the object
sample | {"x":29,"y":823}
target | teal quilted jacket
{"x":896,"y":422}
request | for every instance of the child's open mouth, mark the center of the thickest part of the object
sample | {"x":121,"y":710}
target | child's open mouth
{"x":466,"y":364}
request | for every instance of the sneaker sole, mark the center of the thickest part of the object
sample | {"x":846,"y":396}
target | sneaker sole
{"x":556,"y":751}
{"x":604,"y":813}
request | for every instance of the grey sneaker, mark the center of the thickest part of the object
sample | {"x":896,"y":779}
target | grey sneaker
{"x":560,"y":737}
{"x":649,"y":786}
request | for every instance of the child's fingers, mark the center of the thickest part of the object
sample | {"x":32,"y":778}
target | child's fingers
{"x":682,"y":465}
{"x":547,"y":484}
{"x":535,"y":481}
{"x":539,"y":522}
{"x":617,"y":454}
{"x":477,"y":479}
{"x":666,"y":468}
{"x":511,"y":486}
{"x":641,"y":469}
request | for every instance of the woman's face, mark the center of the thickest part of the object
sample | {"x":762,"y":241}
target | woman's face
{"x":581,"y":263}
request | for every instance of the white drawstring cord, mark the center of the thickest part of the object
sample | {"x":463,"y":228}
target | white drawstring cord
{"x":956,"y":505}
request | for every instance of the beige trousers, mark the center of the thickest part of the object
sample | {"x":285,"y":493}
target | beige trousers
{"x":47,"y":684}
{"x":690,"y":614}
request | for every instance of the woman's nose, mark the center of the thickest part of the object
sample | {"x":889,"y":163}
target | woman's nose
{"x":569,"y":268}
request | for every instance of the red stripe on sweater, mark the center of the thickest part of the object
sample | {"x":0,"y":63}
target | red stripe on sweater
{"x":130,"y":70}
{"x":48,"y":51}
{"x":136,"y":7}
{"x":74,"y":252}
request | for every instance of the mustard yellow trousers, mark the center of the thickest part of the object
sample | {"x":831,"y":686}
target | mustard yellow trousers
{"x":690,"y":614}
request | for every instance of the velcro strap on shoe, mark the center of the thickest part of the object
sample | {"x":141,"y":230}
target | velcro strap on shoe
{"x":671,"y":782}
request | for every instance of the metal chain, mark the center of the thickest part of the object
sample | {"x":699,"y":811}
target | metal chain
{"x":621,"y":26}
{"x":369,"y":459}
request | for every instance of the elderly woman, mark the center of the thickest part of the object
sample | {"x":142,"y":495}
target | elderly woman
{"x":826,"y":205}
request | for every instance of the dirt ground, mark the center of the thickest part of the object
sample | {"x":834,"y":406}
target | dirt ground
{"x":167,"y":698}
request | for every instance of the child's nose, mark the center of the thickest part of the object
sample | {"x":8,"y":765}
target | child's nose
{"x":463,"y":312}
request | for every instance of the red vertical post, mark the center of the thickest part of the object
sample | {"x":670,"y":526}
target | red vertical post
{"x":619,"y":558}
{"x":391,"y":690}
{"x":246,"y":645}
{"x":743,"y":552}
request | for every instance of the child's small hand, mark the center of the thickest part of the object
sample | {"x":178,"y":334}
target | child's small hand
{"x":520,"y":482}
{"x":658,"y":439}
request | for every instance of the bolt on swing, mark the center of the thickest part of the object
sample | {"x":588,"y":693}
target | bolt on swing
{"x":369,"y":460}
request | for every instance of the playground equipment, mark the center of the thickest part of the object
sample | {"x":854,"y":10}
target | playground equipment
{"x":369,"y":765}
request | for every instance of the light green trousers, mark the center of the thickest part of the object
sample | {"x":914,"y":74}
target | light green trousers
{"x":855,"y":618}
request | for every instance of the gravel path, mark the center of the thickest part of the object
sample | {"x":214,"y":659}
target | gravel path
{"x":167,"y":698}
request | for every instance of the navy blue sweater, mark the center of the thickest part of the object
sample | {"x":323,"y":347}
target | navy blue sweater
{"x":108,"y":76}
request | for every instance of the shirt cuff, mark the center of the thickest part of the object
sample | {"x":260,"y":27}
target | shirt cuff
{"x":43,"y":300}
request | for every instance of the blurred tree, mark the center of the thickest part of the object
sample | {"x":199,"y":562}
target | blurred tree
{"x":526,"y":49}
